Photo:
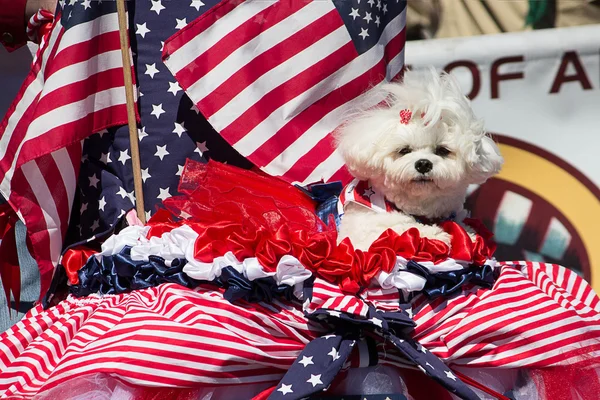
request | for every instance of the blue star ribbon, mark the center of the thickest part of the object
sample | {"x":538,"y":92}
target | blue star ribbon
{"x":393,"y":327}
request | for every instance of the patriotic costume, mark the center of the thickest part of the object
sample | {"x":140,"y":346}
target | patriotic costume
{"x":238,"y":288}
{"x":245,"y":292}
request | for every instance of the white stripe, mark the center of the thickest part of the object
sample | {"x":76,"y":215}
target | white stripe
{"x":325,"y":170}
{"x":210,"y":37}
{"x":75,"y":111}
{"x":277,"y":76}
{"x":395,"y":66}
{"x":44,"y":198}
{"x":257,"y":46}
{"x":88,"y":30}
{"x":53,"y":44}
{"x":517,"y":321}
{"x":67,"y":173}
{"x":66,"y":114}
{"x":81,"y":71}
{"x":344,"y":303}
{"x":498,"y":357}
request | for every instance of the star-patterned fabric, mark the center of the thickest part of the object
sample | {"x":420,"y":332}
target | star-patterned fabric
{"x":171,"y":129}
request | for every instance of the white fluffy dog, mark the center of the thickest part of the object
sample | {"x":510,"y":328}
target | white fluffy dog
{"x":421,"y":149}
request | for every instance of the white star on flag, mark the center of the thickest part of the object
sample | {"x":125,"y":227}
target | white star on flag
{"x":315,"y":380}
{"x":157,"y":110}
{"x":174,"y":88}
{"x":285,"y":389}
{"x":124,"y":156}
{"x":201,"y":148}
{"x":122,"y":192}
{"x":450,"y":375}
{"x":161,"y":152}
{"x":334,"y":354}
{"x":145,"y":174}
{"x":197,"y":4}
{"x":94,"y":181}
{"x":164,"y":194}
{"x":105,"y":158}
{"x":306,"y":361}
{"x":151,"y":70}
{"x":102,"y":203}
{"x":157,"y":6}
{"x":142,"y":133}
{"x":142,"y":30}
{"x":181,"y":23}
{"x":179,"y":129}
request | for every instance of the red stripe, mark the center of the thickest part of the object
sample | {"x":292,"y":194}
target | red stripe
{"x":56,"y":186}
{"x":199,"y":25}
{"x":307,"y":163}
{"x":394,"y":46}
{"x":77,"y":91}
{"x":84,"y":51}
{"x":74,"y":132}
{"x":241,"y":35}
{"x":280,"y":95}
{"x":517,"y":341}
{"x":342,"y":175}
{"x":297,"y":127}
{"x":266,"y":61}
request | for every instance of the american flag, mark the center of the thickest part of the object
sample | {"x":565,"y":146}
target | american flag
{"x":275,"y":78}
{"x":75,"y":88}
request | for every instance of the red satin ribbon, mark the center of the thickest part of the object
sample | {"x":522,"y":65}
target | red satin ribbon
{"x":10,"y":273}
{"x":74,"y":259}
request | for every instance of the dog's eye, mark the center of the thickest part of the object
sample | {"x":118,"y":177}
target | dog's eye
{"x":404,"y":151}
{"x":442,"y":151}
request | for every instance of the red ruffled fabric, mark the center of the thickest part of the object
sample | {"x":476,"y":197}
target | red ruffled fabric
{"x":253,"y":215}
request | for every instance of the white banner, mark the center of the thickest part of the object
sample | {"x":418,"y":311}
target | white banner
{"x":539,"y":92}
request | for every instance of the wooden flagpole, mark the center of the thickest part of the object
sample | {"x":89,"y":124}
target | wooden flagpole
{"x":131,"y":121}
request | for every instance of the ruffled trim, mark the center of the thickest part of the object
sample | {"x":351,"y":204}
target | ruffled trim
{"x":135,"y":259}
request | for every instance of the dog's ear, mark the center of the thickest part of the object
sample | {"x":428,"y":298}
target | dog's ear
{"x":356,"y":141}
{"x":488,"y":160}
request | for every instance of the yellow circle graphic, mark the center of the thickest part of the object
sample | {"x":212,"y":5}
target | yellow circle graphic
{"x":574,"y":197}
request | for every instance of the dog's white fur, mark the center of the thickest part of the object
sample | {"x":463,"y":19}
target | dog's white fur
{"x":371,"y":140}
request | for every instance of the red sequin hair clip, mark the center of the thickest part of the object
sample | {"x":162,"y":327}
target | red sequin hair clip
{"x":405,"y":116}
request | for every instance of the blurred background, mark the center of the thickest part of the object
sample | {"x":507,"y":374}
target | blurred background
{"x":532,"y":71}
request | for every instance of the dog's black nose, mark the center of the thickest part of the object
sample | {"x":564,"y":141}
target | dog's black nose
{"x":423,"y":166}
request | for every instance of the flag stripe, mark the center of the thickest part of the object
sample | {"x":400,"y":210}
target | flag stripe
{"x":236,"y":49}
{"x":191,"y":41}
{"x":275,"y":56}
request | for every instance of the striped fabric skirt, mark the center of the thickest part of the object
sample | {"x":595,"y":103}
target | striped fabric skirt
{"x":170,"y":341}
